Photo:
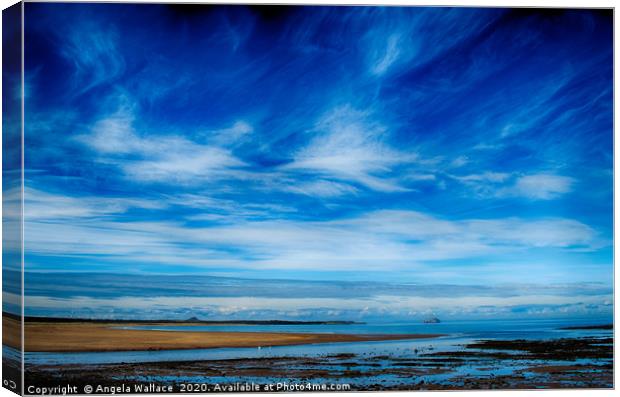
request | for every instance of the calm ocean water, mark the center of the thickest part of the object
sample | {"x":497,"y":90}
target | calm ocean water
{"x":457,"y":333}
{"x":483,"y":328}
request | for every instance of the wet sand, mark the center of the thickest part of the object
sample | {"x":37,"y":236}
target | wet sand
{"x":98,"y":337}
{"x":561,"y":363}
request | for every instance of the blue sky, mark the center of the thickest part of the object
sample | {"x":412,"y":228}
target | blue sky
{"x":467,"y":151}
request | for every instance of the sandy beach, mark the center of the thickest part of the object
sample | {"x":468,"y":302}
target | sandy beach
{"x":82,"y":337}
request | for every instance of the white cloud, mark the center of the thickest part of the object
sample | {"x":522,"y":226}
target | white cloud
{"x":232,"y":135}
{"x":559,"y":233}
{"x":420,"y":177}
{"x":409,"y":40}
{"x":494,"y":177}
{"x":114,"y":134}
{"x":485,"y":184}
{"x":183,"y":162}
{"x":542,"y":186}
{"x":40,"y":205}
{"x":162,"y":158}
{"x":535,"y":186}
{"x":387,"y":56}
{"x":377,"y":240}
{"x":348,"y":148}
{"x":351,"y":147}
{"x":321,"y":188}
{"x":459,"y":161}
{"x":93,"y":51}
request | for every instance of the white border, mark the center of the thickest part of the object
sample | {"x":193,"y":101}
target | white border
{"x":479,"y":3}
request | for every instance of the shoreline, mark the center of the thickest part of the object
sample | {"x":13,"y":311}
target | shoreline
{"x":493,"y":364}
{"x":104,"y":337}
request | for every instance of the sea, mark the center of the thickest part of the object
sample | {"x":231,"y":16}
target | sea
{"x":456,"y":335}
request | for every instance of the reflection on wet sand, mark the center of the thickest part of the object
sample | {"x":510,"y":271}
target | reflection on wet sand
{"x":488,"y":364}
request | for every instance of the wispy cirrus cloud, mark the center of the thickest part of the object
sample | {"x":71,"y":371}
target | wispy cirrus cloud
{"x":388,"y":55}
{"x":233,"y":135}
{"x":152,"y":157}
{"x":541,"y":186}
{"x":321,"y":188}
{"x":259,"y":237}
{"x":411,"y":39}
{"x":351,"y":146}
{"x":94,"y":53}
